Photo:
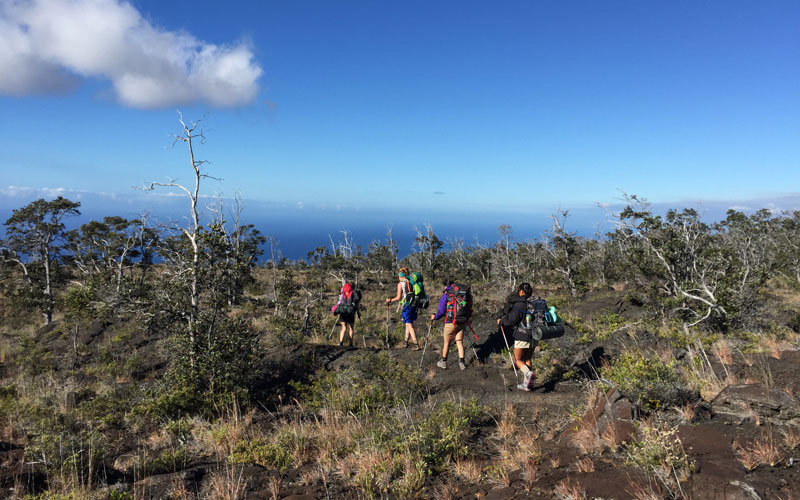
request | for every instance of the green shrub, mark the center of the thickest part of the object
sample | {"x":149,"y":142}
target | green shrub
{"x":73,"y":456}
{"x":647,"y":381}
{"x":262,"y":452}
{"x":180,"y":429}
{"x":33,"y":358}
{"x":443,"y":436}
{"x":376,"y":382}
{"x":8,"y":400}
{"x":168,"y":461}
{"x":608,"y":324}
{"x":109,"y":409}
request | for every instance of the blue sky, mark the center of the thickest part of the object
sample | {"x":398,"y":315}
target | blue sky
{"x":499,"y":107}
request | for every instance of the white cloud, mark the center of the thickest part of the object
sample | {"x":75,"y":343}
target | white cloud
{"x":12,"y":191}
{"x":47,"y":45}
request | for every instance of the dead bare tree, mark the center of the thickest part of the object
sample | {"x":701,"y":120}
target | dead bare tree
{"x":188,"y":135}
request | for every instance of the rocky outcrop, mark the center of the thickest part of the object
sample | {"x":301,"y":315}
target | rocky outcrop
{"x":756,"y":404}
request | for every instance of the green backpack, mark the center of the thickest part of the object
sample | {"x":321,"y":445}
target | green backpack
{"x":420,"y":299}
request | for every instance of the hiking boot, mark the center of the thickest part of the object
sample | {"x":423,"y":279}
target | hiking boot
{"x":350,"y":343}
{"x":442,"y":364}
{"x":416,"y":347}
{"x":462,"y":365}
{"x":523,"y":387}
{"x":405,"y":344}
{"x":339,"y":344}
{"x":528,"y":380}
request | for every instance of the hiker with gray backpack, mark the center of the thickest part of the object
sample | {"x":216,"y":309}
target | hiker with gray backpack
{"x":347,"y":307}
{"x":511,"y":323}
{"x":528,"y":319}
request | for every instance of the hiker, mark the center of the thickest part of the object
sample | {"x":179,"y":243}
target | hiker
{"x":449,"y":329}
{"x":510,"y":322}
{"x":456,"y":308}
{"x":495,"y":343}
{"x":347,"y":307}
{"x":409,"y":312}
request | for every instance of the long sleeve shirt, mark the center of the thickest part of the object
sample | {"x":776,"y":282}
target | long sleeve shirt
{"x":443,"y":303}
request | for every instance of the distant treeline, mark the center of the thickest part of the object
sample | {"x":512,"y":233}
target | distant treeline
{"x":702,"y":273}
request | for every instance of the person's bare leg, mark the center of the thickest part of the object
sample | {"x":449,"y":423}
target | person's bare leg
{"x":460,"y":344}
{"x":410,"y":333}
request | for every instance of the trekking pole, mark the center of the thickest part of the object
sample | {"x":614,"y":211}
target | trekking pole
{"x":471,"y":343}
{"x":387,"y":326}
{"x":332,"y":329}
{"x":361,"y":329}
{"x":430,"y":325}
{"x":510,"y":356}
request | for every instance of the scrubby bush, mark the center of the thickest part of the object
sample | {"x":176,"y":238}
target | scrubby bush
{"x":377,"y":382}
{"x":444,"y":435}
{"x":647,"y":381}
{"x":277,"y":451}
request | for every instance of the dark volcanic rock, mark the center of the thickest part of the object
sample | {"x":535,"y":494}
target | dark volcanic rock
{"x":743,"y":403}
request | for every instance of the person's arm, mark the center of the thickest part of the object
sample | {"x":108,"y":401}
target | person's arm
{"x":399,"y":295}
{"x":442,"y":307}
{"x":515,"y":315}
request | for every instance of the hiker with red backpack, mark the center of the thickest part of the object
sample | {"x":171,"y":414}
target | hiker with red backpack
{"x":406,"y":297}
{"x":347,"y":307}
{"x":455,"y":306}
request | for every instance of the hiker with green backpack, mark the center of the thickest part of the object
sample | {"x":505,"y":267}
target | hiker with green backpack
{"x":348,"y":306}
{"x":411,"y":295}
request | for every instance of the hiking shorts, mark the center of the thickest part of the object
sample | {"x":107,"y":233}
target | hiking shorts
{"x":521,"y":344}
{"x":409,"y":314}
{"x":347,"y":318}
{"x":452,"y":329}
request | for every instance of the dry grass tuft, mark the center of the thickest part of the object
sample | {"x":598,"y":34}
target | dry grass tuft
{"x":703,"y":378}
{"x":228,"y":484}
{"x":178,"y":490}
{"x":608,"y":437}
{"x":722,"y":348}
{"x":584,"y":465}
{"x":467,"y":470}
{"x":791,"y":437}
{"x":772,"y":346}
{"x":643,"y":492}
{"x":507,"y":426}
{"x":761,"y":451}
{"x":529,"y":475}
{"x":566,"y":491}
{"x":686,"y":412}
{"x":586,"y":438}
{"x":275,"y":485}
{"x":446,"y":490}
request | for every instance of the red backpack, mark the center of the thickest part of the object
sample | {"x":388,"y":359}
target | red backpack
{"x":459,"y":304}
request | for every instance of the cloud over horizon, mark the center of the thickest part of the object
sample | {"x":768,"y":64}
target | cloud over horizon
{"x":48,"y":46}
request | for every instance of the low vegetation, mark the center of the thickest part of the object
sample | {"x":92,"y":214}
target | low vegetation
{"x":131,"y":352}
